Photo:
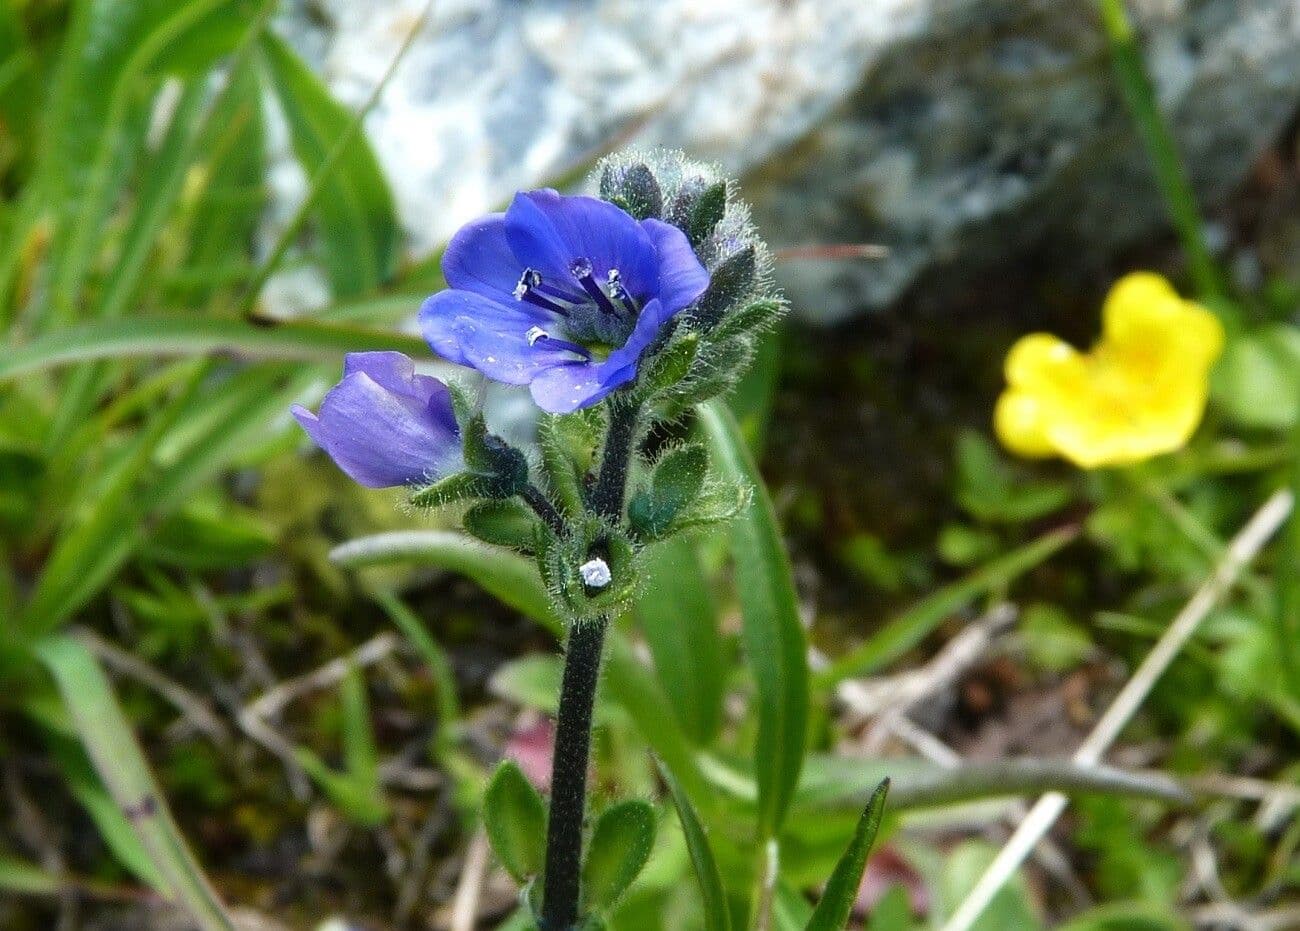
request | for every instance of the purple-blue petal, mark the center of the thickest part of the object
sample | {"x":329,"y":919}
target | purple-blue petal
{"x":479,"y":259}
{"x":567,"y":388}
{"x":443,"y":315}
{"x":548,"y":231}
{"x":384,"y":435}
{"x":682,"y":278}
{"x":491,"y":336}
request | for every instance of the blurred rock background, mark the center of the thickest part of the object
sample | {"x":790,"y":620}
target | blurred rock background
{"x":961,"y":134}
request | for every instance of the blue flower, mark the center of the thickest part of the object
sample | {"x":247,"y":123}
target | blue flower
{"x":563,"y":294}
{"x":385,"y":425}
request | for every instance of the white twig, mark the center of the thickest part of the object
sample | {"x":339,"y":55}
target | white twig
{"x":1243,"y":548}
{"x":464,"y":908}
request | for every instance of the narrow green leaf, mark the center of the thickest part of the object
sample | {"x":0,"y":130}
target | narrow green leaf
{"x":125,"y":773}
{"x":514,"y":816}
{"x":620,"y":846}
{"x":832,"y":912}
{"x":185,"y":336}
{"x":360,"y":753}
{"x":682,"y":632}
{"x":22,"y":878}
{"x":717,"y":916}
{"x":358,"y":223}
{"x":434,"y":656}
{"x":357,"y":799}
{"x":772,"y":633}
{"x":117,"y":833}
{"x":507,"y":576}
{"x":912,"y":626}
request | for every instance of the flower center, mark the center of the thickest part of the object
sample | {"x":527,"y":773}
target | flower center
{"x":589,"y":314}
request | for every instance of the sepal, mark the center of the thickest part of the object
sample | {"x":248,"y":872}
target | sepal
{"x":504,"y":522}
{"x":502,"y":468}
{"x":568,"y":444}
{"x":674,"y":485}
{"x":567,"y":563}
{"x":634,"y":188}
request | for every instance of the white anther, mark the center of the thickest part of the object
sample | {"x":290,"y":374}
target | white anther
{"x":535,"y":334}
{"x":595,"y":573}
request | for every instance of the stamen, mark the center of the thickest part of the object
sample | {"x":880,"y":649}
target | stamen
{"x":582,"y":270}
{"x":618,"y":292}
{"x":530,"y":296}
{"x":536,"y":335}
{"x":531,"y":278}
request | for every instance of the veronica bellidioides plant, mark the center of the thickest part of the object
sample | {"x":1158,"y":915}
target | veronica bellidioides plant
{"x":617,"y":312}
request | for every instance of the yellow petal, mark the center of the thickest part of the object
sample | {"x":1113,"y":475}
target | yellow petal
{"x":1020,"y":425}
{"x":1041,"y":361}
{"x":1145,"y":319}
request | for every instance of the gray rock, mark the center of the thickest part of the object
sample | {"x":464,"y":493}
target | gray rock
{"x":957,"y":132}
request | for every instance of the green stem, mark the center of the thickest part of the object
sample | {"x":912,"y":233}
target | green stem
{"x":1171,"y":175}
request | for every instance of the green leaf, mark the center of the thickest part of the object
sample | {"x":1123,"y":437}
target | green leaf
{"x":619,"y":848}
{"x":832,"y":912}
{"x":772,"y":633}
{"x":987,"y":487}
{"x":358,"y":223}
{"x":683,"y":636}
{"x":1128,"y":917}
{"x":1010,"y":909}
{"x":118,"y":834}
{"x":125,"y":773}
{"x":515,"y":818}
{"x":908,"y":629}
{"x":359,"y":750}
{"x":1257,"y":382}
{"x":507,"y":576}
{"x":188,"y":336}
{"x":20,"y":877}
{"x":717,"y":916}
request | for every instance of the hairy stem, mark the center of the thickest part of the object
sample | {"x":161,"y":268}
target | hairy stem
{"x":543,"y":508}
{"x":611,"y":484}
{"x":563,"y":868}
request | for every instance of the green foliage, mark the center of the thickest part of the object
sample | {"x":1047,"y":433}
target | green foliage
{"x":619,"y":848}
{"x":515,"y":818}
{"x":833,"y":909}
{"x":120,"y":764}
{"x":358,"y":226}
{"x":773,"y":634}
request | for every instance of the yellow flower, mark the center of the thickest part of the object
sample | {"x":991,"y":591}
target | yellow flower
{"x":1137,"y":393}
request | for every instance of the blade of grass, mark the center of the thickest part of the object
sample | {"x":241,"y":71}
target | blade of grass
{"x":908,"y":629}
{"x":125,"y":772}
{"x":330,"y":161}
{"x":171,"y":336}
{"x":841,"y":892}
{"x":717,"y":916}
{"x":682,"y":632}
{"x":771,"y":629}
{"x":1170,"y":172}
{"x":1287,"y":618}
